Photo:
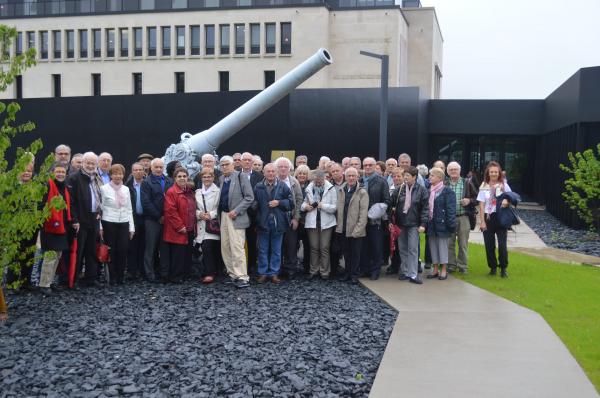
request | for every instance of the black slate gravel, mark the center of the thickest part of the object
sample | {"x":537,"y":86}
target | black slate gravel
{"x":556,"y":234}
{"x":317,"y":339}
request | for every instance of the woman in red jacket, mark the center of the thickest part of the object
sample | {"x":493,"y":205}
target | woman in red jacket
{"x":179,"y":225}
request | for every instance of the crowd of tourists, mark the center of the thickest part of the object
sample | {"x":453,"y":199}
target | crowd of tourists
{"x":238,"y":218}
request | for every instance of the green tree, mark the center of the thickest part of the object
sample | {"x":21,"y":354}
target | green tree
{"x":20,"y":215}
{"x":582,"y":190}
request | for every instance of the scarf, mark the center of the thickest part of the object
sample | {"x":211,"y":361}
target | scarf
{"x":432,"y":193}
{"x":318,"y":193}
{"x":55,"y":224}
{"x":119,"y":197}
{"x":408,"y":197}
{"x":366,"y":180}
{"x":95,"y":183}
{"x":211,"y":188}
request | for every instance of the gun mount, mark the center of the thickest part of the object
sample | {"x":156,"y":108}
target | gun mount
{"x":207,"y":141}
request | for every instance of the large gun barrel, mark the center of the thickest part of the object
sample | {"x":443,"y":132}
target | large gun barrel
{"x":191,"y":146}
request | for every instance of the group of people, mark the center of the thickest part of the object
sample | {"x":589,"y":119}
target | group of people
{"x":242,"y":218}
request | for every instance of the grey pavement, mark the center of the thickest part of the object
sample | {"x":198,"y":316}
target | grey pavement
{"x":453,"y":339}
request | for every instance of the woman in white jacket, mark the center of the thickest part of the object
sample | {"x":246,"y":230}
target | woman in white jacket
{"x":320,"y":206}
{"x":117,"y":226}
{"x":207,"y":201}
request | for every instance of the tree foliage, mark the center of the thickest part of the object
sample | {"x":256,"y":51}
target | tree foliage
{"x":20,"y":213}
{"x":582,"y":190}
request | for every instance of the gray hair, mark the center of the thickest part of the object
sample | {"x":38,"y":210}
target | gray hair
{"x":62,"y":146}
{"x":369,"y":158}
{"x":324,"y":158}
{"x":226,"y":159}
{"x":453,"y":165}
{"x":156,"y":160}
{"x":392,"y":160}
{"x":423,"y":170}
{"x":247,"y":153}
{"x":350,"y":169}
{"x":89,"y":155}
{"x":207,"y":156}
{"x":104,"y":154}
{"x":302,"y":168}
{"x":404,"y":156}
{"x":284,"y":159}
{"x":318,"y":174}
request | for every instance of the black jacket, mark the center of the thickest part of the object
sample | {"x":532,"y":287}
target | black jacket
{"x":418,"y":212}
{"x":378,"y":190}
{"x":81,"y":200}
{"x":280,"y":192}
{"x":153,"y":197}
{"x":443,"y":222}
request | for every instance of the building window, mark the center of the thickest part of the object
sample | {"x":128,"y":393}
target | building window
{"x":124,"y":42}
{"x":146,"y":4}
{"x":195,"y":40}
{"x":30,"y":40}
{"x":223,"y":81}
{"x":180,"y":82}
{"x":97,"y":38}
{"x":286,"y":38}
{"x":44,"y":45}
{"x":224,"y":48}
{"x":240,"y":38}
{"x":137,"y":83}
{"x":270,"y":38}
{"x":110,"y":43}
{"x":70,"y":43}
{"x":179,"y":4}
{"x":254,"y":38}
{"x":19,"y":44}
{"x":83,"y":43}
{"x":166,"y":40}
{"x":151,"y":41}
{"x":114,"y":5}
{"x":269,"y":77}
{"x":209,"y":37}
{"x":57,"y":44}
{"x":130,"y":5}
{"x":137,"y":37}
{"x":96,"y":85}
{"x":180,"y":32}
{"x":56,"y":86}
{"x":18,"y":86}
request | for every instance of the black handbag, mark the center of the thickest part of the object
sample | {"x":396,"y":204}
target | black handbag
{"x":212,"y":225}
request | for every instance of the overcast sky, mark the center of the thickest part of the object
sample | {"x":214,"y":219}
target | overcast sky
{"x":515,"y":48}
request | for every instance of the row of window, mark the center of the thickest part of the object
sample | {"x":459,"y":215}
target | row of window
{"x":136,"y":78}
{"x":130,"y":41}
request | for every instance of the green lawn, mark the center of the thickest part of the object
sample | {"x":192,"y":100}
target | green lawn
{"x":567,"y":296}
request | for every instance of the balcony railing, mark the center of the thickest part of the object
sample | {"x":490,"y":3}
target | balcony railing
{"x":73,"y":7}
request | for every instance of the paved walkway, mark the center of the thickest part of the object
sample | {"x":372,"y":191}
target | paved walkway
{"x":452,"y":339}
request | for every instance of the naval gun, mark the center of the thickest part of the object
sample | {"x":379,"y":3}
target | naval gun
{"x":207,"y":141}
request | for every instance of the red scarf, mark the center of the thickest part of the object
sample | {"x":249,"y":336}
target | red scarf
{"x":55,"y":224}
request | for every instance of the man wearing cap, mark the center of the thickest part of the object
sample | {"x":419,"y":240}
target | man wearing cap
{"x":144,"y":159}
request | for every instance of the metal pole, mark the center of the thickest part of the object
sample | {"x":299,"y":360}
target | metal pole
{"x":383,"y":112}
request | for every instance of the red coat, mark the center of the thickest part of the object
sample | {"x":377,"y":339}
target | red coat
{"x":180,"y":206}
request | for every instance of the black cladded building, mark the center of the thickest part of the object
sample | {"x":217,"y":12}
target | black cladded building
{"x":530,"y":138}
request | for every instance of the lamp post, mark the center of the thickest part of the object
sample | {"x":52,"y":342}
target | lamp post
{"x":383,"y":110}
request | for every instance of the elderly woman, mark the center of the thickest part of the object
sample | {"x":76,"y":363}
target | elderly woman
{"x":207,"y":201}
{"x":302,"y":174}
{"x":442,"y":222}
{"x":320,"y":206}
{"x":117,"y":221}
{"x":352,"y":209}
{"x":397,"y":176}
{"x":180,"y":225}
{"x":54,"y":234}
{"x":410,"y":204}
{"x":493,"y":186}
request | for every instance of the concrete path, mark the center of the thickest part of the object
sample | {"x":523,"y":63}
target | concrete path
{"x":452,"y":339}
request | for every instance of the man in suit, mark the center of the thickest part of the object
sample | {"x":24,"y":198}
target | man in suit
{"x":135,"y":255}
{"x":251,"y":237}
{"x":236,"y":197}
{"x":153,"y":199}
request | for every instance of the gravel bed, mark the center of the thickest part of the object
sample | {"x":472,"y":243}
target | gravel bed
{"x":556,"y":234}
{"x":317,"y":339}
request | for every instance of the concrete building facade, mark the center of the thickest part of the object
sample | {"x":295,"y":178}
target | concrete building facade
{"x":220,"y":46}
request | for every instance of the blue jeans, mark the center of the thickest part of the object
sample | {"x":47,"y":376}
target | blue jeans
{"x":269,"y":250}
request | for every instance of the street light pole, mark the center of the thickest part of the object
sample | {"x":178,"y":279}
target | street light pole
{"x":383,"y":110}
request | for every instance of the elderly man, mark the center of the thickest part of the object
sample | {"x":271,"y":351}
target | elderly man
{"x":135,"y":255}
{"x":290,"y":239}
{"x":76,"y":162}
{"x":104,"y":162}
{"x":466,"y":201}
{"x":301,"y":159}
{"x":356,"y":163}
{"x":273,"y":203}
{"x":144,"y":159}
{"x":405,"y":162}
{"x":254,"y":177}
{"x":379,"y":199}
{"x":390,"y":165}
{"x":236,"y":197}
{"x":352,"y":218}
{"x":62,"y":154}
{"x":152,"y":192}
{"x":208,"y":162}
{"x":257,"y":164}
{"x":84,"y":187}
{"x":346,"y":163}
{"x":237,"y":161}
{"x":323,"y":163}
